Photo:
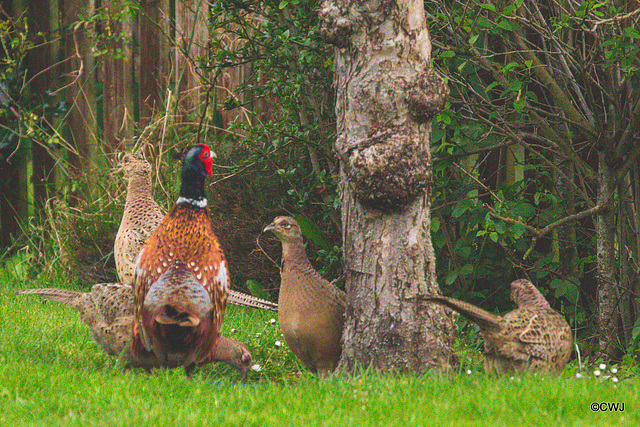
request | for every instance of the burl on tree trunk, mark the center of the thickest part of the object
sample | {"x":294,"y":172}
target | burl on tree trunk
{"x":387,"y":95}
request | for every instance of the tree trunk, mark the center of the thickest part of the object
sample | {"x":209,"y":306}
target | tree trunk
{"x":154,"y":56}
{"x":387,"y":94}
{"x":635,"y":287}
{"x":118,"y":79}
{"x":627,"y":232}
{"x":605,"y":253}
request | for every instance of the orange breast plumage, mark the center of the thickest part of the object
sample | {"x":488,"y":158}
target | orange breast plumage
{"x":181,"y":282}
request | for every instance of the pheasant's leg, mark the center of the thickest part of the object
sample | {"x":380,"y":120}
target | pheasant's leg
{"x":188,"y":369}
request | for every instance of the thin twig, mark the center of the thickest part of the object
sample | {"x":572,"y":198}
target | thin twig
{"x":263,"y":251}
{"x":479,"y":183}
{"x":613,"y":19}
{"x":80,"y":69}
{"x":540,"y":232}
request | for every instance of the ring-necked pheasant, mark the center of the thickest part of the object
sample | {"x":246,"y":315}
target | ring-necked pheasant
{"x":310,"y":309}
{"x":141,"y":217}
{"x":531,"y":337}
{"x":181,"y":282}
{"x":108,"y":312}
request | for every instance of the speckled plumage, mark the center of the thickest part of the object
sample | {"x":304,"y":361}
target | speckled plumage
{"x":310,"y":309}
{"x":108,"y":312}
{"x":141,"y":217}
{"x":532,"y":337}
{"x":182,"y":252}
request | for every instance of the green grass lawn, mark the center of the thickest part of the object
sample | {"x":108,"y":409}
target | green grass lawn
{"x":52,"y":373}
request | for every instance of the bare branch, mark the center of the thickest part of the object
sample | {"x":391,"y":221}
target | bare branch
{"x":613,"y":19}
{"x":541,"y":232}
{"x":561,"y":100}
{"x":479,"y":183}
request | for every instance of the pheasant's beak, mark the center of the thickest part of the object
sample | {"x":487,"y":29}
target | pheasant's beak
{"x":269,"y":227}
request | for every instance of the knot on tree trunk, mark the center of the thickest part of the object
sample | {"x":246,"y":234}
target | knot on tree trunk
{"x":336,"y":24}
{"x":388,"y":169}
{"x":427,"y":96}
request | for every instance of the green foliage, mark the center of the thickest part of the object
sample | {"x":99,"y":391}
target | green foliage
{"x":502,"y":107}
{"x":281,"y":144}
{"x":24,"y":118}
{"x":290,"y":92}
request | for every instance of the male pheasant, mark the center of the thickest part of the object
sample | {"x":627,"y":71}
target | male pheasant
{"x":141,"y":217}
{"x":531,"y":337}
{"x":310,"y":309}
{"x":108,"y":312}
{"x":181,"y":282}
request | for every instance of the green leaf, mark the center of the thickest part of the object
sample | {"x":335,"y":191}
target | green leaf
{"x":451,"y":277}
{"x":505,"y":25}
{"x":566,"y":289}
{"x":257,"y":290}
{"x":466,"y":270}
{"x":312,"y":232}
{"x":517,"y":230}
{"x":462,"y":206}
{"x":488,"y":6}
{"x":491,"y":86}
{"x":283,"y":4}
{"x":435,"y":224}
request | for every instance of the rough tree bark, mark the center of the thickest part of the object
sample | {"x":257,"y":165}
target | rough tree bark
{"x":387,"y":94}
{"x":606,"y":256}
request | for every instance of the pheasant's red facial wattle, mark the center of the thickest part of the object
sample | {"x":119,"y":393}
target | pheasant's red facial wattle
{"x":206,"y":158}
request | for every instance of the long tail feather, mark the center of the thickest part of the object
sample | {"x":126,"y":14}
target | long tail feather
{"x":64,"y":296}
{"x":483,"y":318}
{"x":238,"y":298}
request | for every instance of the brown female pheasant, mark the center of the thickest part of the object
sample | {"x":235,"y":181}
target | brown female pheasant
{"x":310,"y":309}
{"x":180,"y":280}
{"x":108,"y":312}
{"x":532,"y":337}
{"x":141,"y":217}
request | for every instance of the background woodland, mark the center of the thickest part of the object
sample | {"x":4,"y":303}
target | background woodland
{"x":536,"y":170}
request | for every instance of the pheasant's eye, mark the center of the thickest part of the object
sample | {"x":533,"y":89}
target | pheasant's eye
{"x":286,"y":225}
{"x":205,"y":155}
